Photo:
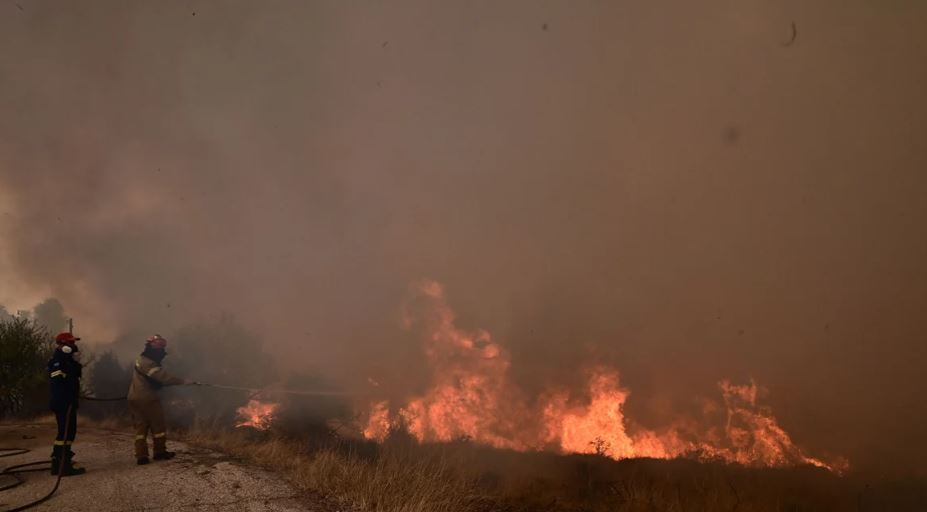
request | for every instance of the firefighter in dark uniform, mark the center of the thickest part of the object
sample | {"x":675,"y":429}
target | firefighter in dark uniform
{"x":147,"y":414}
{"x":64,"y":374}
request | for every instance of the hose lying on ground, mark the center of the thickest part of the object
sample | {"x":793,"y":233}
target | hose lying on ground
{"x":45,"y":465}
{"x":29,"y":467}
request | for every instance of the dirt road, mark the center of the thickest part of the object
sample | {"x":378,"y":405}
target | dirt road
{"x":196,"y":479}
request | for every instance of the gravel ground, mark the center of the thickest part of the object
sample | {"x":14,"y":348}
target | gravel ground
{"x":197,"y":479}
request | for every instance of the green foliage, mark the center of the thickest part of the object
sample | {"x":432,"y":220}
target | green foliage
{"x":25,"y":347}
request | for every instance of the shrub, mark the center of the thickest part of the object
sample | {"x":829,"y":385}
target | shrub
{"x":25,"y":347}
{"x":219,"y":352}
{"x":107,"y":379}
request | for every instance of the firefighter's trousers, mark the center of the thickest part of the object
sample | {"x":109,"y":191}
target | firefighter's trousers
{"x":67,"y":430}
{"x":148,"y":415}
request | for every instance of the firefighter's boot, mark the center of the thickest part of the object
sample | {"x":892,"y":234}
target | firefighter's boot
{"x":69,"y":468}
{"x":141,"y":445}
{"x":56,"y":459}
{"x":159,"y":446}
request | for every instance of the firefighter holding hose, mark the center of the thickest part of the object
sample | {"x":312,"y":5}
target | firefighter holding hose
{"x":147,"y":414}
{"x":64,"y":373}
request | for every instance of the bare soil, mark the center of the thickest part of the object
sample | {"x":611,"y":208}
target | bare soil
{"x":197,"y":479}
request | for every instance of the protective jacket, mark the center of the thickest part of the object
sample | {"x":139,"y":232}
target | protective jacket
{"x":148,"y":377}
{"x":64,"y":375}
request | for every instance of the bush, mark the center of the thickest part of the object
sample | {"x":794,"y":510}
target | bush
{"x":107,"y":379}
{"x":50,"y":314}
{"x":218,"y":352}
{"x":313,"y":417}
{"x":25,"y":348}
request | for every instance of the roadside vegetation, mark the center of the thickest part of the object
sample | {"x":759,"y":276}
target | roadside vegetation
{"x":25,"y":347}
{"x":328,"y":458}
{"x":401,"y":475}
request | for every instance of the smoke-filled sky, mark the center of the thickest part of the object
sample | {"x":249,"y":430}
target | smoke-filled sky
{"x":663,"y":186}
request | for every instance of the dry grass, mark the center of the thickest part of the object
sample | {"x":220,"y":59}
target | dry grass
{"x":392,"y":480}
{"x":402,"y":476}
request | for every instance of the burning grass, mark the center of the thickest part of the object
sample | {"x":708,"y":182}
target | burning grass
{"x":402,"y":475}
{"x":472,"y":395}
{"x":257,"y":414}
{"x":473,"y":441}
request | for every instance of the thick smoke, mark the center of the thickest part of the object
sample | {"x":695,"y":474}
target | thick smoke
{"x":662,"y":186}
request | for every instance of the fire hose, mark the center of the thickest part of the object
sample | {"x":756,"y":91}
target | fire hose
{"x":39,"y":465}
{"x":255,"y":391}
{"x":14,"y":471}
{"x":42,"y":465}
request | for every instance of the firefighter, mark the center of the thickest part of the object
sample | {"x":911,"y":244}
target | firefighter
{"x":147,"y":414}
{"x":64,"y":372}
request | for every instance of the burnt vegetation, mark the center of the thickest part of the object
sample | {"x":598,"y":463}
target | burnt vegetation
{"x":402,"y":474}
{"x":315,"y":441}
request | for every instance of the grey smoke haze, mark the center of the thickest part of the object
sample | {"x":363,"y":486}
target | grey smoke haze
{"x":659,"y":185}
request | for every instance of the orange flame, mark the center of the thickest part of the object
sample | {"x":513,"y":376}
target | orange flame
{"x":600,"y":426}
{"x":472,"y":397}
{"x":256,"y":414}
{"x":378,"y":421}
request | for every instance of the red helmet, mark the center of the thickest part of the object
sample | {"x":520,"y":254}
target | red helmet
{"x":156,"y":341}
{"x":65,"y":338}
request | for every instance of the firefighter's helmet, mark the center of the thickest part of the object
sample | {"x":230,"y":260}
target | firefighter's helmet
{"x":67,"y":342}
{"x":156,"y":341}
{"x":65,"y":338}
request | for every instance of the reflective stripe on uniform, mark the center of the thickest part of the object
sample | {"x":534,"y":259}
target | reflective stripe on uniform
{"x":138,"y":366}
{"x":59,"y":443}
{"x":160,"y":434}
{"x":57,"y":373}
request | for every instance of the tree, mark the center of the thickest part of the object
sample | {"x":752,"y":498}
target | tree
{"x":25,"y":347}
{"x":108,"y":378}
{"x":50,"y":314}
